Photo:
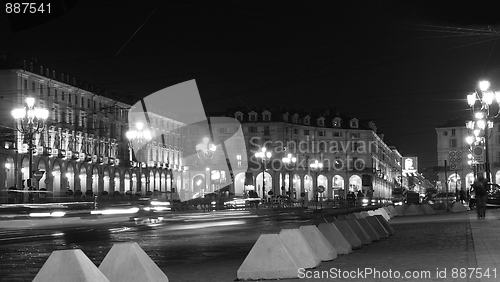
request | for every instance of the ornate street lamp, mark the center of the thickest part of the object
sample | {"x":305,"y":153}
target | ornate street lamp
{"x":484,"y":105}
{"x":264,"y":156}
{"x":206,"y":151}
{"x":289,"y":162}
{"x":30,"y":120}
{"x":316,"y":166}
{"x":137,"y":139}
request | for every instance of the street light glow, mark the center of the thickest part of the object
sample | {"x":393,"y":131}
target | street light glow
{"x":484,"y":85}
{"x":471,"y":99}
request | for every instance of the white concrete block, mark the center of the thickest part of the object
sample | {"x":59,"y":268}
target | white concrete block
{"x":69,"y":265}
{"x":269,"y":258}
{"x":318,"y":242}
{"x":348,"y":233}
{"x":359,"y":231}
{"x":128,"y":262}
{"x":335,"y":237}
{"x":300,"y":248}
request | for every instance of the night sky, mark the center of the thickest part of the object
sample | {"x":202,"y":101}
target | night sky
{"x":407,"y":65}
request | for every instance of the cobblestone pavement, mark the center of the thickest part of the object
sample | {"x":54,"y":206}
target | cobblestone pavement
{"x":427,"y":248}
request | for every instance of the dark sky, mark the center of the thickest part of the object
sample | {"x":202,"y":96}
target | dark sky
{"x":407,"y":65}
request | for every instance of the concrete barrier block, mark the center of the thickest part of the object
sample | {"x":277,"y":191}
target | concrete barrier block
{"x":359,"y":231}
{"x":269,"y":258}
{"x":379,"y":228}
{"x":351,"y":216}
{"x":383,"y":213}
{"x":400,"y":210}
{"x":348,"y":233}
{"x":458,"y":207}
{"x":393,"y":211}
{"x":419,"y":210}
{"x":405,"y":206}
{"x":341,"y":217}
{"x":388,"y":211}
{"x":426,"y":209}
{"x":411,"y":210}
{"x":386,"y":225}
{"x":318,"y":242}
{"x":330,"y":218}
{"x":319,"y":220}
{"x":69,"y":265}
{"x":297,"y":244}
{"x":368,"y":229}
{"x":335,"y":237}
{"x":128,"y":262}
{"x":364,"y":214}
{"x":358,"y":215}
{"x":371,"y":213}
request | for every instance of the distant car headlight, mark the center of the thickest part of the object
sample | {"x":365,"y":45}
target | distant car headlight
{"x":398,"y":203}
{"x":365,"y":201}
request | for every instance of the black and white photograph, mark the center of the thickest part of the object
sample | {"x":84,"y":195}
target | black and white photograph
{"x":251,"y":140}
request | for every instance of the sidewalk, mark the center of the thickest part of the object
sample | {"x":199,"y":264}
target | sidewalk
{"x":437,"y":247}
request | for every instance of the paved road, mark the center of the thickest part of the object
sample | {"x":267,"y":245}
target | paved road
{"x":204,"y":249}
{"x":183,"y":239}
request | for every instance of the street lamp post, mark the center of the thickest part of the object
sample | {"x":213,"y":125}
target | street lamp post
{"x":480,"y":102}
{"x":289,"y":162}
{"x":30,"y":120}
{"x":138,"y":137}
{"x":316,"y":166}
{"x":264,"y":156}
{"x":206,"y":151}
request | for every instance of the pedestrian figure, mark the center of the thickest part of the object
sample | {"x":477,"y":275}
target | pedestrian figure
{"x":480,"y":189}
{"x":462,"y":196}
{"x":360,"y":194}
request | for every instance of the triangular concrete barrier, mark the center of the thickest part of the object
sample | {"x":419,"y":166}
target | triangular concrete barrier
{"x":383,"y":213}
{"x":297,"y":244}
{"x":351,"y":216}
{"x":386,"y":224}
{"x":458,"y":207}
{"x":359,"y":231}
{"x":393,"y":210}
{"x":69,"y":265}
{"x":269,"y":258}
{"x":426,"y":209}
{"x":319,"y":220}
{"x":371,"y":213}
{"x":128,"y":262}
{"x":400,"y":210}
{"x":358,"y":215}
{"x":405,"y":206}
{"x":335,"y":237}
{"x":368,"y":229}
{"x":341,"y":217}
{"x":442,"y":206}
{"x":386,"y":209}
{"x":364,"y":214}
{"x":318,"y":242}
{"x":419,"y":210}
{"x":348,"y":234}
{"x":330,"y":218}
{"x":411,"y":210}
{"x":375,"y":223}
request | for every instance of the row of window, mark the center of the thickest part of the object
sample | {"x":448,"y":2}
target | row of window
{"x":306,"y":132}
{"x":266,"y":116}
{"x":72,"y":99}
